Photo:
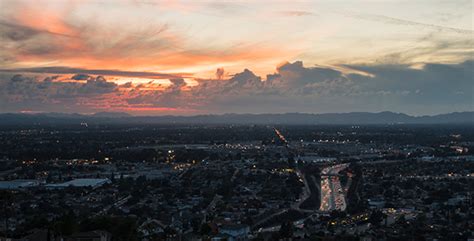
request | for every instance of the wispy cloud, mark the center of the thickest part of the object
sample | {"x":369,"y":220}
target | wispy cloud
{"x":404,"y":22}
{"x":70,"y":70}
{"x":296,"y":13}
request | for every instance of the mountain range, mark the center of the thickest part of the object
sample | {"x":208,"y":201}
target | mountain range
{"x":285,"y":118}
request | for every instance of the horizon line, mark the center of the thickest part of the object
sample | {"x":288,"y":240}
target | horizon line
{"x":129,"y":115}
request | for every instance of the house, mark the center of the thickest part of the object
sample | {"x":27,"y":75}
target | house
{"x":220,"y":237}
{"x":19,"y":184}
{"x":375,"y":203}
{"x":80,"y":182}
{"x":367,"y":237}
{"x":235,"y":232}
{"x":150,"y":228}
{"x":90,"y":236}
{"x":40,"y":235}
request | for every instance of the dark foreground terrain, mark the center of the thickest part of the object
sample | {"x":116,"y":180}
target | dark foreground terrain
{"x":124,"y":181}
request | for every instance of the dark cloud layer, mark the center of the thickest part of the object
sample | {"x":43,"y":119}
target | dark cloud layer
{"x":434,"y":88}
{"x":21,"y":92}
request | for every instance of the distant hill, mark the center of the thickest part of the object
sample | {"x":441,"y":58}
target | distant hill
{"x":287,"y":118}
{"x":111,"y":114}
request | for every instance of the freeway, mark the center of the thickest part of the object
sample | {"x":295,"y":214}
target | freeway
{"x":280,"y":135}
{"x":332,"y":194}
{"x":331,"y":191}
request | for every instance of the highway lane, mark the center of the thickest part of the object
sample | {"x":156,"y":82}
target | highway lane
{"x":332,"y":193}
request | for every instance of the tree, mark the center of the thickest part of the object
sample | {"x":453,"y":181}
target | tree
{"x":67,"y":224}
{"x":205,"y":229}
{"x":286,"y":230}
{"x":376,"y":217}
{"x":49,"y":178}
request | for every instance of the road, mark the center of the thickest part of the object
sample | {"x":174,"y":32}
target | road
{"x":307,"y":190}
{"x":262,"y":221}
{"x":282,"y":138}
{"x":332,"y":193}
{"x":211,"y":207}
{"x":117,"y":204}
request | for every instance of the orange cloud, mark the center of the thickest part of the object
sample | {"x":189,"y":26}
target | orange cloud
{"x":45,"y":20}
{"x":61,"y":42}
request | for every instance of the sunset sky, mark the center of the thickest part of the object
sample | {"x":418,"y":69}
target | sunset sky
{"x":199,"y":57}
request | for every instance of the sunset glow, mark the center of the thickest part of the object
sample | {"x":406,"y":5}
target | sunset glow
{"x":180,"y":57}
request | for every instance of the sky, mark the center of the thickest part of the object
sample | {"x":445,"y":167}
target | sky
{"x":211,"y":57}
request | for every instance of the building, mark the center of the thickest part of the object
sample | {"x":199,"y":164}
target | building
{"x":19,"y":184}
{"x":80,"y":182}
{"x":90,"y":236}
{"x":236,"y":232}
{"x":39,"y":235}
{"x":376,"y":203}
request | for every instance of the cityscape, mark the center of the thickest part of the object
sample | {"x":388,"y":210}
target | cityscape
{"x":237,"y":182}
{"x":236,"y":120}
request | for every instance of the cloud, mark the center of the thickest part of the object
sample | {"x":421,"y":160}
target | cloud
{"x":239,"y":84}
{"x":429,"y":46}
{"x":296,"y":13}
{"x":80,"y":77}
{"x":38,"y":35}
{"x":18,"y":78}
{"x":295,"y":78}
{"x":20,"y":91}
{"x":433,"y":88}
{"x":19,"y":32}
{"x":177,"y":83}
{"x":432,"y":85}
{"x":220,"y":73}
{"x":404,"y":22}
{"x":15,"y":32}
{"x":80,"y":72}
